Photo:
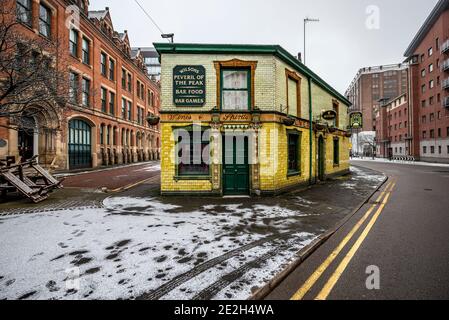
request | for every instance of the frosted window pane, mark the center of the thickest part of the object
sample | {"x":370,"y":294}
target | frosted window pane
{"x":235,"y":100}
{"x":235,"y":79}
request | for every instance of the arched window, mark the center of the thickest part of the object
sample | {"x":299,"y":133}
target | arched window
{"x":80,"y":148}
{"x":132,"y":138}
{"x":114,"y":136}
{"x":108,"y":135}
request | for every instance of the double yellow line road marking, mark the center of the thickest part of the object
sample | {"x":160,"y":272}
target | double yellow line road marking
{"x":324,"y":293}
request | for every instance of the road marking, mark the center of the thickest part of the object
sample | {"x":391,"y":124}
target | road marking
{"x":347,"y":259}
{"x":322,"y":268}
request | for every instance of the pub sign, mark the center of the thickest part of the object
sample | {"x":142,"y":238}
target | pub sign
{"x":355,"y":120}
{"x":189,"y":86}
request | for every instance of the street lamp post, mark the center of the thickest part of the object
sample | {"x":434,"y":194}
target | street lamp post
{"x":305,"y":23}
{"x":168,"y":36}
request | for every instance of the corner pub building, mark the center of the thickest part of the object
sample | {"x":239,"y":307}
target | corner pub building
{"x":105,"y":123}
{"x":246,"y":120}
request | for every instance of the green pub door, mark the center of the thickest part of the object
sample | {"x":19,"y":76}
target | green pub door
{"x":235,"y":165}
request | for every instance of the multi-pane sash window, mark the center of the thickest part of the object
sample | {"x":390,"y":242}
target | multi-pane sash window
{"x":73,"y":87}
{"x":103,"y":99}
{"x":111,"y":69}
{"x":192,"y":156}
{"x":86,"y":51}
{"x":139,"y":111}
{"x":293,"y":154}
{"x":24,"y":11}
{"x":123,"y":108}
{"x":130,"y":106}
{"x":44,"y":21}
{"x":112,"y":103}
{"x":235,"y":89}
{"x":130,"y":84}
{"x":73,"y":42}
{"x":138,"y":88}
{"x":123,"y":78}
{"x":103,"y":64}
{"x":86,"y":92}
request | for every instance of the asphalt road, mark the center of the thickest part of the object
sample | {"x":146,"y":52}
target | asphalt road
{"x":114,"y":178}
{"x":401,"y":248}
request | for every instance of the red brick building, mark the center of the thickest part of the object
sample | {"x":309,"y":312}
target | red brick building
{"x":372,"y":84}
{"x":428,"y":56}
{"x":392,"y":128}
{"x":106,"y":122}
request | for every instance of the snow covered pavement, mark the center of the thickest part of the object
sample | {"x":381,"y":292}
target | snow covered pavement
{"x":164,"y":248}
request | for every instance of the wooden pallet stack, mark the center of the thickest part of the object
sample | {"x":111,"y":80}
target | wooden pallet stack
{"x":28,"y":178}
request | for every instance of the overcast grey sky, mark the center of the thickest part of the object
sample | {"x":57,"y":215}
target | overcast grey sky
{"x":337,"y":46}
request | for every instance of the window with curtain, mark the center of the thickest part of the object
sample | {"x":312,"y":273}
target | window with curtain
{"x":235,"y":89}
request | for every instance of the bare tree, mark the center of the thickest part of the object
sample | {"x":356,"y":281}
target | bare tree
{"x":368,"y":139}
{"x":33,"y":72}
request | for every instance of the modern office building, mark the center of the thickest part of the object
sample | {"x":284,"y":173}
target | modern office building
{"x":151,"y":60}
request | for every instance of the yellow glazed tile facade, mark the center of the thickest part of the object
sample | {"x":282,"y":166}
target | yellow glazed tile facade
{"x":264,"y":122}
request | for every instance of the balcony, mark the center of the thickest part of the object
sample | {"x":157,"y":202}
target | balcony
{"x":445,"y":46}
{"x":445,"y":65}
{"x":445,"y":84}
{"x":446,"y":102}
